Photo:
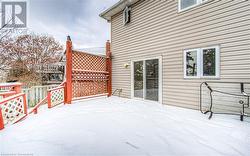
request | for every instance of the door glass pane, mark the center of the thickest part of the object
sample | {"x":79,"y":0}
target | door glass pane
{"x":152,"y":79}
{"x":209,"y":68}
{"x":191,"y":63}
{"x":138,"y":79}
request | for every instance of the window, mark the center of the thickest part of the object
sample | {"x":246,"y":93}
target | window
{"x":191,"y":63}
{"x":126,"y":15}
{"x":209,"y":62}
{"x":186,"y":4}
{"x":202,"y":63}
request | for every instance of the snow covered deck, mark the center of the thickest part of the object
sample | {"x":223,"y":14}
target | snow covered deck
{"x":116,"y":126}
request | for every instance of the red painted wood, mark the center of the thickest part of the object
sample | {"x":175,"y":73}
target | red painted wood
{"x":6,"y":94}
{"x":49,"y":100}
{"x":35,"y":109}
{"x":7,"y":85}
{"x":109,"y":68}
{"x":68,"y":93}
{"x":11,"y":98}
{"x":25,"y":107}
{"x":1,"y":120}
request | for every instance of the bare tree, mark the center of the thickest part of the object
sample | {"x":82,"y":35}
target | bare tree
{"x":31,"y":50}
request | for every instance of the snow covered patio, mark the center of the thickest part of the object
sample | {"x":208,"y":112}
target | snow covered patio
{"x":117,"y":126}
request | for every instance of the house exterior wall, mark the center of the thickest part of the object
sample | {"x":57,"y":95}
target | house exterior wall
{"x":158,"y":29}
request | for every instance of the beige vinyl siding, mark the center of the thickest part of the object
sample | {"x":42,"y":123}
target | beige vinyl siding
{"x":158,"y":29}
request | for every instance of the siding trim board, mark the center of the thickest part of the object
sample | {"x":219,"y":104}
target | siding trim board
{"x":158,"y":29}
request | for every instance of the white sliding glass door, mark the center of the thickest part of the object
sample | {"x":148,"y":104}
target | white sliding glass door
{"x":146,"y":79}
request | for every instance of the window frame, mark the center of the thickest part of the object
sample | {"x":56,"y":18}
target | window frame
{"x":160,"y":93}
{"x":217,"y":62}
{"x":199,"y":52}
{"x":127,"y":12}
{"x":199,"y":2}
{"x":198,"y":63}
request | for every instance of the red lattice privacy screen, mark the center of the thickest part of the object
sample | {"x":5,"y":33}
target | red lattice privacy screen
{"x":87,"y":74}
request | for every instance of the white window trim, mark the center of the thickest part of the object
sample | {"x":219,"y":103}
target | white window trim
{"x":200,"y":63}
{"x":160,"y":78}
{"x":125,"y":11}
{"x":199,"y":2}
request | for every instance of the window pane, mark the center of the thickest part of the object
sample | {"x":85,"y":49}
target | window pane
{"x":138,"y":79}
{"x":152,"y":81}
{"x":209,"y":64}
{"x":187,"y":3}
{"x":191,"y":63}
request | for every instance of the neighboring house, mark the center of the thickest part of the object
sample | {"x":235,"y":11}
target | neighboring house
{"x":52,"y":73}
{"x":163,"y":49}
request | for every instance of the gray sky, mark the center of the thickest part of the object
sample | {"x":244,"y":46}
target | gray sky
{"x":77,"y":18}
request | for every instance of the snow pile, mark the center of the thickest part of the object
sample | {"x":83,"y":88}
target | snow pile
{"x":116,"y":126}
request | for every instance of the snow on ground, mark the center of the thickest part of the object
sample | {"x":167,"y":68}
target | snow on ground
{"x":116,"y":126}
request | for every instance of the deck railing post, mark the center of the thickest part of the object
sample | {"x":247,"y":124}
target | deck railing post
{"x":25,"y":107}
{"x":49,"y":99}
{"x":65,"y":93}
{"x":68,"y":86}
{"x":1,"y":120}
{"x":17,"y":88}
{"x":109,"y":68}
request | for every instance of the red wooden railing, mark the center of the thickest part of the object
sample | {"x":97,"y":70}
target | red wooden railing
{"x":13,"y":106}
{"x":35,"y":109}
{"x":51,"y":98}
{"x":10,"y":89}
{"x":55,"y":96}
{"x":13,"y":109}
{"x":87,"y":75}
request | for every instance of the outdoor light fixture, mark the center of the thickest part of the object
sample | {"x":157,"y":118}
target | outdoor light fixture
{"x":126,"y":65}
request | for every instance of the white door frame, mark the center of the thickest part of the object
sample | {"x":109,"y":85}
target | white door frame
{"x":144,"y":78}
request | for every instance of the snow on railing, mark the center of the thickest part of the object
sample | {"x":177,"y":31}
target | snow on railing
{"x":12,"y":109}
{"x":95,"y":71}
{"x":55,"y":96}
{"x":8,"y":89}
{"x":13,"y":105}
{"x":35,"y":109}
{"x":7,"y":93}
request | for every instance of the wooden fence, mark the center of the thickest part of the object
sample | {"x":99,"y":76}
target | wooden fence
{"x":87,"y":76}
{"x":36,"y":94}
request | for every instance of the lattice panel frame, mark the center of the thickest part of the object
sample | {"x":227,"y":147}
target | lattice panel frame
{"x":88,"y":88}
{"x":89,"y":74}
{"x":84,"y":61}
{"x":76,"y":75}
{"x":57,"y":96}
{"x":13,"y":110}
